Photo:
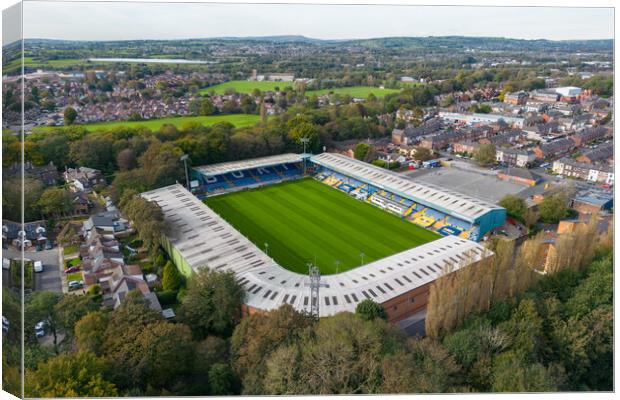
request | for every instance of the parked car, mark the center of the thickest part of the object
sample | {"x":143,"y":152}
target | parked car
{"x":75,"y":285}
{"x":75,"y":268}
{"x":38,"y":266}
{"x":48,"y":246}
{"x":5,"y":324}
{"x":6,"y":263}
{"x":39,"y":329}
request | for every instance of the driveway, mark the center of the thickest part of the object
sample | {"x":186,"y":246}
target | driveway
{"x":49,"y":279}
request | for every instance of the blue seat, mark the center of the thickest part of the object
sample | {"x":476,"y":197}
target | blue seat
{"x":447,"y":230}
{"x":435,"y":214}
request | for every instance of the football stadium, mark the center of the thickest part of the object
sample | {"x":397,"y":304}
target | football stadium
{"x":372,"y":233}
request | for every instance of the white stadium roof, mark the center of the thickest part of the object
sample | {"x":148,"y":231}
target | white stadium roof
{"x":226,"y":167}
{"x":205,"y":239}
{"x":454,"y":203}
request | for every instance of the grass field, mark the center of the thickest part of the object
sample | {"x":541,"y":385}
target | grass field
{"x":355,"y":91}
{"x":238,"y":120}
{"x":306,"y":219}
{"x":249,"y":86}
{"x":245,"y":86}
{"x":30,"y":62}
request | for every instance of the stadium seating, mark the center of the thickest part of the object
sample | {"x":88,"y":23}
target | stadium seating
{"x":426,"y":217}
{"x":265,"y":174}
{"x":215,"y":184}
{"x":346,"y":188}
{"x":449,"y":230}
{"x":289,"y":170}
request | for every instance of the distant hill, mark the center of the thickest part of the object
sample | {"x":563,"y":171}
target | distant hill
{"x":418,"y":41}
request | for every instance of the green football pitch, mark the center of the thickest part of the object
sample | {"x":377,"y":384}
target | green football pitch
{"x":306,"y":221}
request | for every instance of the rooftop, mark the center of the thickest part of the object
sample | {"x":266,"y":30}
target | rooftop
{"x":205,"y":239}
{"x":226,"y":167}
{"x":457,"y":204}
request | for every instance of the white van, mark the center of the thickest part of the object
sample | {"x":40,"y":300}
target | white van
{"x":38,"y":266}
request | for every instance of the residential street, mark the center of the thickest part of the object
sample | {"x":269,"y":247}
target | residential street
{"x":49,"y":279}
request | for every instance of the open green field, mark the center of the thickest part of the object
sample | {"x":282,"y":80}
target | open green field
{"x":238,"y":120}
{"x":263,"y":86}
{"x":306,"y":219}
{"x":354,"y":91}
{"x":245,"y":86}
{"x":30,"y":62}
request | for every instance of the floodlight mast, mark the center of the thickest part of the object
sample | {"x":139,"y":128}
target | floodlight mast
{"x":315,"y":285}
{"x":305,"y":140}
{"x":184,"y":158}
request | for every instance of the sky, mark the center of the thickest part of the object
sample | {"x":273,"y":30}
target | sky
{"x":125,"y":21}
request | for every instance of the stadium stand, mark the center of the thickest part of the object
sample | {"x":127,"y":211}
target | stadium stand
{"x":196,"y":237}
{"x":236,"y":175}
{"x":439,"y":209}
{"x":459,"y":214}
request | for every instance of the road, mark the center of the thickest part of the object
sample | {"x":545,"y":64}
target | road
{"x":49,"y":279}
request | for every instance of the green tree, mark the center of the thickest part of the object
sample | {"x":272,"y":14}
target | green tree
{"x":212,"y":303}
{"x":54,"y":147}
{"x":361,"y":151}
{"x":12,"y":199}
{"x":90,"y":332}
{"x":79,"y":374}
{"x":126,"y":325}
{"x":345,"y":355}
{"x":515,"y":206}
{"x":147,"y":218}
{"x":126,"y":160}
{"x":424,"y":367}
{"x":41,"y":307}
{"x":369,"y":310}
{"x":163,"y":354}
{"x":94,"y":151}
{"x":512,"y":374}
{"x":55,"y":201}
{"x":221,"y":380}
{"x":283,"y":374}
{"x":203,"y":106}
{"x":422,"y":154}
{"x":71,"y":309}
{"x":553,"y":208}
{"x":70,"y":115}
{"x":254,"y":339}
{"x":485,"y":154}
